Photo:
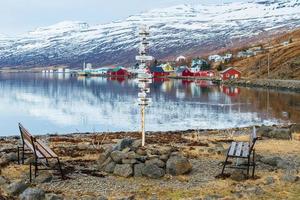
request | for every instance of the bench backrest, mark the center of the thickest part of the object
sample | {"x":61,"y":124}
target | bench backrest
{"x":40,"y":149}
{"x":253,"y":138}
{"x":26,"y":137}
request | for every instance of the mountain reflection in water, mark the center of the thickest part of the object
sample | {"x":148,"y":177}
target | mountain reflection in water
{"x":59,"y":103}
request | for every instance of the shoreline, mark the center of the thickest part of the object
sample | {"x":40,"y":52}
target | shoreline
{"x":276,"y":84}
{"x":184,"y":131}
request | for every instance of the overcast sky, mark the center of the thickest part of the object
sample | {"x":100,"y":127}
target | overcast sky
{"x":18,"y":16}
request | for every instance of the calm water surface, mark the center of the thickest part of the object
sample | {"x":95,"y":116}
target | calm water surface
{"x":59,"y":103}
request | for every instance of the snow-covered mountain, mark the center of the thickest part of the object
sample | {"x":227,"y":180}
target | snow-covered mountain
{"x":174,"y":30}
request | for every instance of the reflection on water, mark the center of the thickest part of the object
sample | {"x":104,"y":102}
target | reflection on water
{"x":64,"y":104}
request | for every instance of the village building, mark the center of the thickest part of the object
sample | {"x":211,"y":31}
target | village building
{"x":158,"y":71}
{"x":167,"y":67}
{"x":187,"y":73}
{"x":119,"y":71}
{"x":199,"y":65}
{"x":230,"y":74}
{"x":179,"y":70}
{"x":180,"y":59}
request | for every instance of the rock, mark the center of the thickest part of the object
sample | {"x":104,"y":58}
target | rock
{"x":141,"y":152}
{"x":142,"y":158}
{"x":272,"y":161}
{"x":263,"y":130}
{"x":129,"y":161}
{"x":32,"y":194}
{"x":11,"y":157}
{"x":105,"y":163}
{"x":136,"y":144}
{"x":295,"y":128}
{"x":269,"y":180}
{"x":44,"y":177}
{"x":51,"y":196}
{"x":153,"y":171}
{"x":124,"y":170}
{"x":3,"y":181}
{"x":126,"y":150}
{"x":164,"y":157}
{"x":16,"y":188}
{"x":156,"y":161}
{"x":213,"y":197}
{"x":102,"y":198}
{"x":130,"y":155}
{"x":257,"y":190}
{"x":164,"y":150}
{"x":290,"y":176}
{"x":124,"y":143}
{"x":110,"y":167}
{"x":178,"y":165}
{"x":283,"y":134}
{"x":283,"y":164}
{"x":117,"y":156}
{"x":137,"y":169}
{"x":3,"y":162}
{"x":130,"y":197}
{"x":277,"y":162}
{"x":238,"y":176}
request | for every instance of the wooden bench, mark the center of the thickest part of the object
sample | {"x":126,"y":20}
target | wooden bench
{"x":243,"y":150}
{"x":42,"y":153}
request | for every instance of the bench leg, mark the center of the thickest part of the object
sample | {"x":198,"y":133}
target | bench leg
{"x":30,"y":172}
{"x":18,"y":155}
{"x":35,"y":168}
{"x":223,"y":169}
{"x":248,"y":166}
{"x":254,"y":164}
{"x":23,"y":154}
{"x":60,"y":169}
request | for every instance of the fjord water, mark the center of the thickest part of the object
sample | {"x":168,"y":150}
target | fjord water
{"x":58,"y":103}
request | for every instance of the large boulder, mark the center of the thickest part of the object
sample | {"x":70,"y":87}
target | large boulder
{"x":153,"y":171}
{"x":263,"y":130}
{"x":124,"y":143}
{"x":157,"y":162}
{"x":104,"y":155}
{"x":110,"y":167}
{"x":16,"y":188}
{"x":281,"y":133}
{"x":117,"y":156}
{"x":124,"y":170}
{"x":137,"y":169}
{"x":32,"y":194}
{"x":178,"y":165}
{"x":11,"y":157}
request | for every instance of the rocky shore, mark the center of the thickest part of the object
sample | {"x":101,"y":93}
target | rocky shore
{"x":291,"y":85}
{"x":173,"y":165}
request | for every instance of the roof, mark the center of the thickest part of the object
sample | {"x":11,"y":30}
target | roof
{"x":156,"y":69}
{"x":181,"y":69}
{"x":116,"y":69}
{"x":229,"y":68}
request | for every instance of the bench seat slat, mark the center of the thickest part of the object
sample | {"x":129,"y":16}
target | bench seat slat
{"x":232,"y":149}
{"x":239,"y":149}
{"x":245,"y":149}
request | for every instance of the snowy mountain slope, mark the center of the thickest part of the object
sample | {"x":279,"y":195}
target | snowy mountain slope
{"x":177,"y":29}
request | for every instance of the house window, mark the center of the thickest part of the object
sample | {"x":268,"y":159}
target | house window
{"x":227,"y":75}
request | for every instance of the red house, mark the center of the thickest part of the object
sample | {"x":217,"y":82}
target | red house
{"x":119,"y":72}
{"x":158,"y":71}
{"x":187,"y":72}
{"x":230,"y":74}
